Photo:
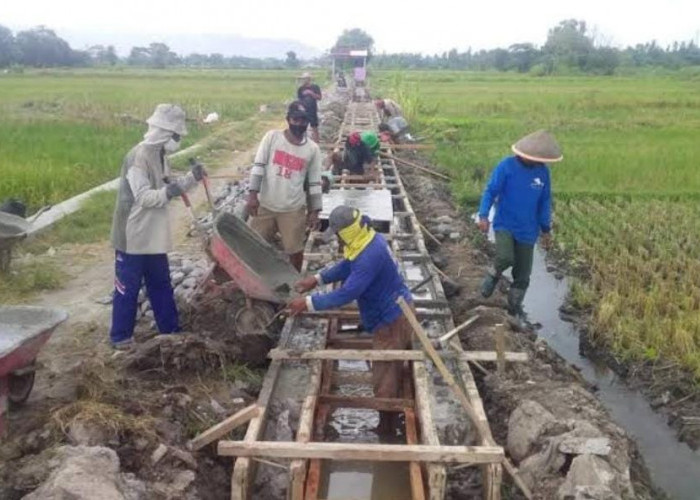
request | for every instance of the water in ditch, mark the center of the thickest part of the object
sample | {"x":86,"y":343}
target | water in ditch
{"x":674,"y":467}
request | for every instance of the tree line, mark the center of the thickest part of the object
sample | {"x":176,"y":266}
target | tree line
{"x":570,"y":46}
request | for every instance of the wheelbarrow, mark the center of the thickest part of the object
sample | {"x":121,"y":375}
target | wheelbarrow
{"x":23,"y":332}
{"x":260,"y":271}
{"x":13,"y":229}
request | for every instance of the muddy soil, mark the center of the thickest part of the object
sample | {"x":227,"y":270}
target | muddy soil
{"x":546,"y":380}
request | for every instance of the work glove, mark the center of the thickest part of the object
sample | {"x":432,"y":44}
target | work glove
{"x":173,"y":190}
{"x":197,"y":169}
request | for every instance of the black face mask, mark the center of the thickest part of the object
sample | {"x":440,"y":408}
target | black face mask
{"x":298,"y":131}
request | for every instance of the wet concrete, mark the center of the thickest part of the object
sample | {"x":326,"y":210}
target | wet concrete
{"x":270,"y":266}
{"x":673,"y":466}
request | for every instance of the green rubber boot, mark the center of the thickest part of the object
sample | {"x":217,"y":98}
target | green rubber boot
{"x":515,"y":301}
{"x":489,"y":285}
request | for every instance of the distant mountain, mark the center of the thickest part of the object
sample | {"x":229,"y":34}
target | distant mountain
{"x":184,"y":44}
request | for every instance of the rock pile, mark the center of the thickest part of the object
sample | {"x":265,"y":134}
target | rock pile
{"x":444,"y":228}
{"x":186,"y":273}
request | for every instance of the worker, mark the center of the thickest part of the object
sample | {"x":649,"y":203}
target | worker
{"x":359,"y":155}
{"x":395,"y":131}
{"x":285,"y":185}
{"x":520,"y":188}
{"x":141,"y":234}
{"x":369,"y":275}
{"x":340,"y":80}
{"x":309,"y":94}
{"x":388,"y":108}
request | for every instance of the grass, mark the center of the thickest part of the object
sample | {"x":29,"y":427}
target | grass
{"x":626,"y":195}
{"x":27,"y":279}
{"x":65,"y":131}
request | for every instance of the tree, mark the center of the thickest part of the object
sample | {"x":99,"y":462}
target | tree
{"x":111,"y":56}
{"x":139,"y":56}
{"x":569,"y":43}
{"x":8,"y":53}
{"x":523,"y":56}
{"x":41,"y":47}
{"x":355,"y":39}
{"x":161,"y":55}
{"x":156,"y":55}
{"x":291,"y":61}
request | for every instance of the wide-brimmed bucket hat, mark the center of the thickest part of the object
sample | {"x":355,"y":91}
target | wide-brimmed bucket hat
{"x":169,"y":117}
{"x":540,"y":146}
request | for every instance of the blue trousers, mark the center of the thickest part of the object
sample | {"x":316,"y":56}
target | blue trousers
{"x":130,"y":270}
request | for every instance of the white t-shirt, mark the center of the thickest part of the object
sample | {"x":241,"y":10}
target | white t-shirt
{"x":285,"y":168}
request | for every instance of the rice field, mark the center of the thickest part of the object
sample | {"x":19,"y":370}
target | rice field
{"x":65,"y":131}
{"x":627,"y":195}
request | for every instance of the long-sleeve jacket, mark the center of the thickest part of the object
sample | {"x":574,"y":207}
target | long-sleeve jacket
{"x":140,"y":224}
{"x":372,"y":279}
{"x":523,"y":199}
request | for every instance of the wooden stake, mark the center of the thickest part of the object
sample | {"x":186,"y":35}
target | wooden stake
{"x":416,"y":166}
{"x":431,"y":235}
{"x":440,"y":365}
{"x":222,"y":428}
{"x":500,"y":350}
{"x":458,"y":329}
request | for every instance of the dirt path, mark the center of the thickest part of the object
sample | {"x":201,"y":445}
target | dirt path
{"x":90,"y":271}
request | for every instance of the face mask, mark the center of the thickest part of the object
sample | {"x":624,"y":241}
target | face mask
{"x":298,"y":131}
{"x":171,"y":146}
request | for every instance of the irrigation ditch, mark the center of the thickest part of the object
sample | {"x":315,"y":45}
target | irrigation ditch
{"x":125,"y":427}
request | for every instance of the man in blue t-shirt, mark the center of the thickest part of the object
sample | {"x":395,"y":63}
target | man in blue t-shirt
{"x":369,"y":275}
{"x":520,"y":188}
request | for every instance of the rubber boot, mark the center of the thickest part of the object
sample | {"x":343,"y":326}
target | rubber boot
{"x":489,"y":284}
{"x":515,"y":302}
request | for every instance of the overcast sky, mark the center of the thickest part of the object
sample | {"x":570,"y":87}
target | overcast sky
{"x":421,"y":26}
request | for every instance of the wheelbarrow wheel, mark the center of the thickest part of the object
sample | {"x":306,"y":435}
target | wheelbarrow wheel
{"x":254,"y":318}
{"x":20,"y":386}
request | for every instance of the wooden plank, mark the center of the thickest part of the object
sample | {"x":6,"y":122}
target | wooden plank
{"x":297,"y":468}
{"x":313,"y":480}
{"x":414,"y":470}
{"x":369,"y":403}
{"x":224,"y":427}
{"x":363,"y":451}
{"x":436,"y":472}
{"x":348,"y":354}
{"x":517,"y":357}
{"x":389,"y":355}
{"x":348,"y":343}
{"x":484,"y":431}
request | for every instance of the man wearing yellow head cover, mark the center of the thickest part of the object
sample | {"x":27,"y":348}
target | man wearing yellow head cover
{"x":369,"y":275}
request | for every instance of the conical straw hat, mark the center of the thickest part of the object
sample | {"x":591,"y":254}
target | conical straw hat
{"x":539,"y":146}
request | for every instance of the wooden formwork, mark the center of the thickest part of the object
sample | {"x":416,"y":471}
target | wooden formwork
{"x":427,"y":477}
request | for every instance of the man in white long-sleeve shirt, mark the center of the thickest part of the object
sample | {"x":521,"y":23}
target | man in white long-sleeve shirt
{"x":285,"y":185}
{"x":141,"y":234}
